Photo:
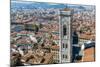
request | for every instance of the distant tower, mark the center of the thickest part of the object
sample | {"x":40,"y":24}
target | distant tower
{"x":65,"y":42}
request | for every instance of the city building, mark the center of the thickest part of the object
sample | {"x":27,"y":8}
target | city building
{"x":55,"y":51}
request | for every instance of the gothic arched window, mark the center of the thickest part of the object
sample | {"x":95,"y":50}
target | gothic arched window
{"x":64,"y":30}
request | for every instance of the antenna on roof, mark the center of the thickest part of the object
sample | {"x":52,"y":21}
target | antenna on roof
{"x":66,"y":6}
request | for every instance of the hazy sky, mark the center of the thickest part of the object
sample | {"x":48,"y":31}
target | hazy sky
{"x":87,"y":2}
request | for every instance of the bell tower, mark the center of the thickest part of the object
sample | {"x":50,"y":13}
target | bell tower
{"x":65,"y":43}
